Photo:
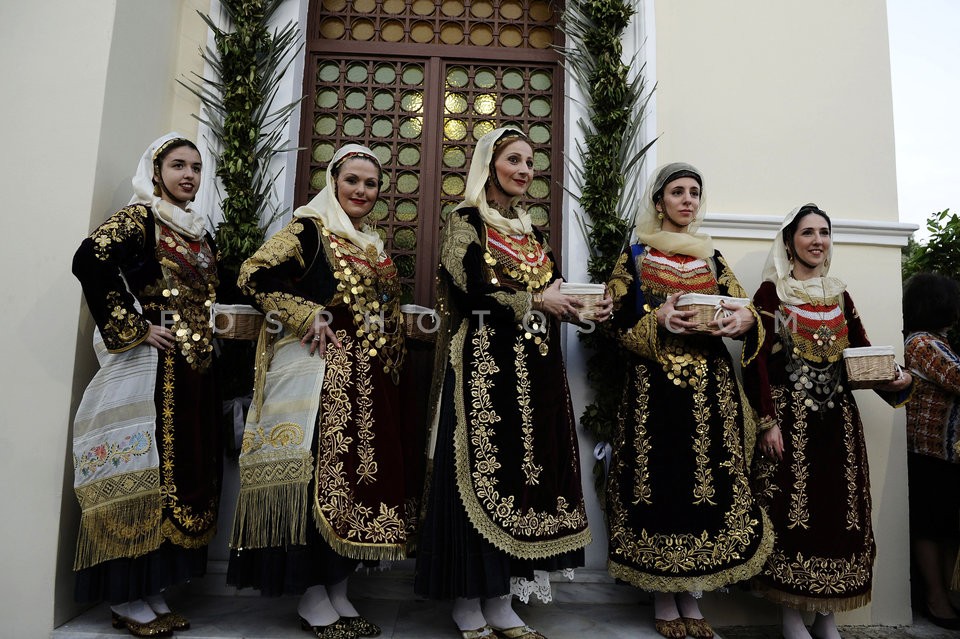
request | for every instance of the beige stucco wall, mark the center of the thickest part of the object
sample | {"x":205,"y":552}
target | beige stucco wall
{"x":773,"y":115}
{"x":90,"y":85}
{"x":780,"y":104}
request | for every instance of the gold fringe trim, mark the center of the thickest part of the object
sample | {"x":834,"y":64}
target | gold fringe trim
{"x":127,"y":528}
{"x":355,"y":549}
{"x":475,"y":512}
{"x":660,"y":583}
{"x":810,"y":604}
{"x":271,"y":516}
{"x":746,"y":358}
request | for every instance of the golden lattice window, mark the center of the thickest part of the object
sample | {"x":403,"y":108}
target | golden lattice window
{"x":418,"y":81}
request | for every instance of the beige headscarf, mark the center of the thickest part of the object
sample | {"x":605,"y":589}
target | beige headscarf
{"x":648,"y":230}
{"x":186,"y":222}
{"x":476,"y":191}
{"x":779,"y":270}
{"x":326,"y":208}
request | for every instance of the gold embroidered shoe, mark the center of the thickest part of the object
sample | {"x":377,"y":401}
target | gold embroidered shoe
{"x":174,"y":620}
{"x":155,"y":628}
{"x":362,"y":627}
{"x":483,"y":632}
{"x":336,"y":630}
{"x":519,"y":632}
{"x":671,"y":628}
{"x":698,"y":628}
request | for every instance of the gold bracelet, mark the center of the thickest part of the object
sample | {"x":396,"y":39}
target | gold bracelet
{"x":765,"y":424}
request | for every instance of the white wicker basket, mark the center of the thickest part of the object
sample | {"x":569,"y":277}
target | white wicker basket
{"x":236,"y":321}
{"x":707,"y":307}
{"x":588,"y":294}
{"x":869,"y":366}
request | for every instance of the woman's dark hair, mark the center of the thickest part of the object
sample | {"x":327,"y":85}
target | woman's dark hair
{"x":165,"y":149}
{"x":807,"y":209}
{"x":676,"y":175}
{"x":335,"y":170}
{"x":931,"y":302}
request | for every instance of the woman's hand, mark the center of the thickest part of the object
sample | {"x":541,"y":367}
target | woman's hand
{"x":160,"y":337}
{"x":673,"y":320}
{"x":738,"y":322}
{"x":902,"y":380}
{"x":563,"y":307}
{"x":319,"y":335}
{"x":603,"y":310}
{"x":771,"y":444}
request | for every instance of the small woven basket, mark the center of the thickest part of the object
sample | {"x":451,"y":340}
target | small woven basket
{"x":869,"y":366}
{"x":589,"y":295}
{"x":420,"y":323}
{"x":707,"y":307}
{"x":236,"y":321}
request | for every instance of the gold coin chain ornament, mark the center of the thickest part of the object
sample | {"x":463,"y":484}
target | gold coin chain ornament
{"x":190,"y":288}
{"x":523,"y":260}
{"x":369,"y":286}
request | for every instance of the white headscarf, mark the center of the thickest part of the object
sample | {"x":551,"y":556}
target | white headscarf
{"x":186,"y":222}
{"x":648,"y":230}
{"x":326,"y":208}
{"x":476,"y":192}
{"x":779,"y":270}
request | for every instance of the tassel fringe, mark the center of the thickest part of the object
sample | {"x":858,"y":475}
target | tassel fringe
{"x":271,"y":516}
{"x":128,"y":528}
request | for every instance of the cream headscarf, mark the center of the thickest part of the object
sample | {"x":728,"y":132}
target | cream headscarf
{"x":186,"y":222}
{"x":648,"y":230}
{"x":779,"y":270}
{"x":326,"y":208}
{"x":476,"y":192}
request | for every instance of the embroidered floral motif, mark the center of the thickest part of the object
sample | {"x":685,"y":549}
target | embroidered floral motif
{"x":115,"y":454}
{"x":367,"y":468}
{"x":124,"y":225}
{"x":798,"y":513}
{"x":337,"y":504}
{"x":503,"y":509}
{"x":184,"y":514}
{"x":279,"y":435}
{"x":641,"y":442}
{"x":823,"y":576}
{"x":703,"y":489}
{"x":530,"y":469}
{"x":123,"y":329}
{"x":850,"y":471}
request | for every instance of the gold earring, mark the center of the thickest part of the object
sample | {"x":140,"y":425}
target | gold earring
{"x":156,"y":189}
{"x":660,"y":216}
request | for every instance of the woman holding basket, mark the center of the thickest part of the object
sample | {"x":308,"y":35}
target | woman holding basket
{"x":811,"y":473}
{"x":681,"y":514}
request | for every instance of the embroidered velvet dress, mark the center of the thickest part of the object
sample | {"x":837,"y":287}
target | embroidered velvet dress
{"x":144,"y":526}
{"x":679,"y":507}
{"x":504,"y":495}
{"x":327,"y":488}
{"x":818,"y":496}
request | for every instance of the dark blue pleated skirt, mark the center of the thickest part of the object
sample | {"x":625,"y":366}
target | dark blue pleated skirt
{"x":121,"y":580}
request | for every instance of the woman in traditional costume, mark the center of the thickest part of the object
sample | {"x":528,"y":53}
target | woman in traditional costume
{"x":322,"y":484}
{"x":931,"y":308}
{"x":504,"y":494}
{"x":811,"y":473}
{"x":681,"y":515}
{"x":147,"y":453}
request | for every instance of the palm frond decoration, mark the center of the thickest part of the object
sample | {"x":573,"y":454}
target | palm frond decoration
{"x":248,"y":130}
{"x":606,"y":173}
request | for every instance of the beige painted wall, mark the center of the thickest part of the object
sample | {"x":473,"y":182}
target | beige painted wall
{"x":93,"y":86}
{"x":780,"y":104}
